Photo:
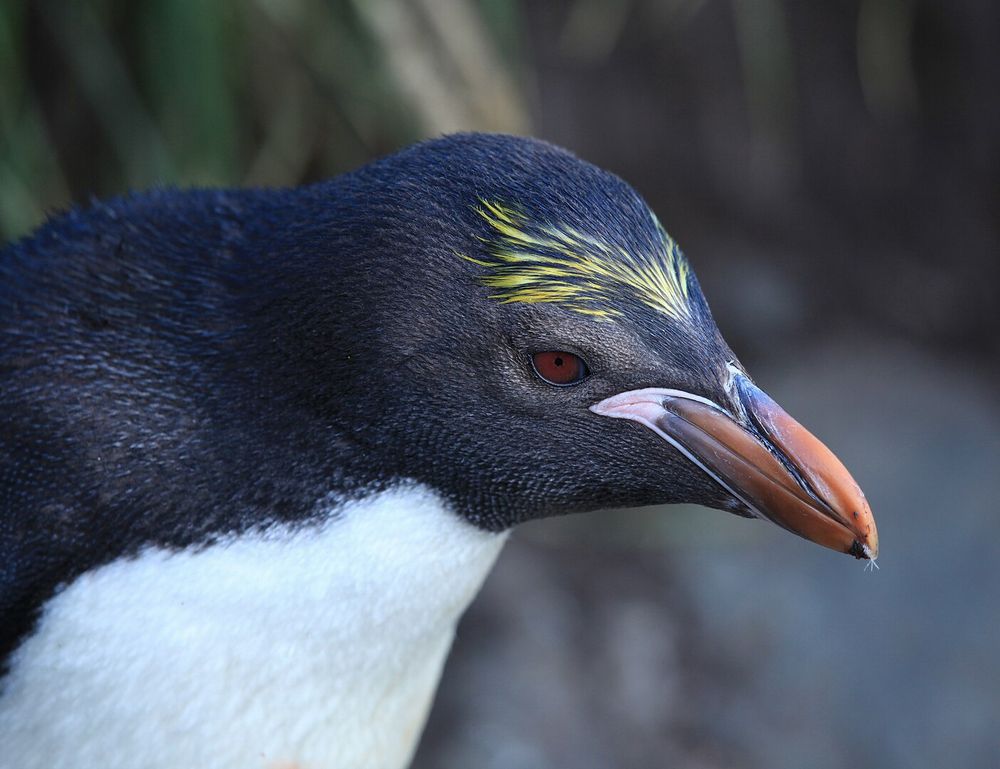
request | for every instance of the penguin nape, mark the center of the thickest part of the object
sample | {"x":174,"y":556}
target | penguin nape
{"x":260,"y":448}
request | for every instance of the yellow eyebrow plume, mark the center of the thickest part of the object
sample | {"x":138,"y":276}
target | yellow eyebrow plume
{"x":545,"y":263}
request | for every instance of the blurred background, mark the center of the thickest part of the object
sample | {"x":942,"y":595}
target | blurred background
{"x":832,"y":170}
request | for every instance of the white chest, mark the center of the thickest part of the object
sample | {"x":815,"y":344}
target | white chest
{"x":314,"y":649}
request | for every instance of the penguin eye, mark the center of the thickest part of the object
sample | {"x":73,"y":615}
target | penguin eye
{"x":559,"y":368}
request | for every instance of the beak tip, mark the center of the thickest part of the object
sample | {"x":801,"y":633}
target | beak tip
{"x":868,"y":534}
{"x":862,"y":551}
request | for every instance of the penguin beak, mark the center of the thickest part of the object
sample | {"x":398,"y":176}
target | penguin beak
{"x":763,"y":458}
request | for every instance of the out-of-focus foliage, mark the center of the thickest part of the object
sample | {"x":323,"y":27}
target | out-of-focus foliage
{"x":100,"y":96}
{"x":773,"y":115}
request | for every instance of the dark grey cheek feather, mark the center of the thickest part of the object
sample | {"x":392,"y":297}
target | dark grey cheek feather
{"x":527,"y":449}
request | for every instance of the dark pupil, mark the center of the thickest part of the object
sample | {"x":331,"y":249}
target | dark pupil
{"x":559,"y":361}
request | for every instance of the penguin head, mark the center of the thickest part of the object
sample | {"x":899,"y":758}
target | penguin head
{"x":532,"y":342}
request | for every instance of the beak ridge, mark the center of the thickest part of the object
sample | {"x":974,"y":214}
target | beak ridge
{"x":819,"y":467}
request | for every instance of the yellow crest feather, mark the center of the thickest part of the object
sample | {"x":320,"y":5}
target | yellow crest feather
{"x":545,"y":263}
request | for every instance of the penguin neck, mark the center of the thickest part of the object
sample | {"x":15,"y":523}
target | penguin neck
{"x":339,"y":631}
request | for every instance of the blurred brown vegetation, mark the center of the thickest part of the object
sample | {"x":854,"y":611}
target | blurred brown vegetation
{"x":99,"y":97}
{"x":839,"y":131}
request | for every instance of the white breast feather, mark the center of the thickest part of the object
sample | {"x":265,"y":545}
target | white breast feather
{"x":319,"y":648}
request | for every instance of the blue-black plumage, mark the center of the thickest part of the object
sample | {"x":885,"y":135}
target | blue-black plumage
{"x":185,"y":374}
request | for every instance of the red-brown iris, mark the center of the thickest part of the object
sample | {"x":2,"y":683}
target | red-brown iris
{"x":559,"y":368}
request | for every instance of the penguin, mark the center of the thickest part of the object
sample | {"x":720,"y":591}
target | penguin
{"x":260,"y":448}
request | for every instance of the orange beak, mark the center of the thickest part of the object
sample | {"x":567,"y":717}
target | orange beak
{"x":763,"y":457}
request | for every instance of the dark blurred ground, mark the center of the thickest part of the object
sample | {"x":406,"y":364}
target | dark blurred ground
{"x":832,"y":170}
